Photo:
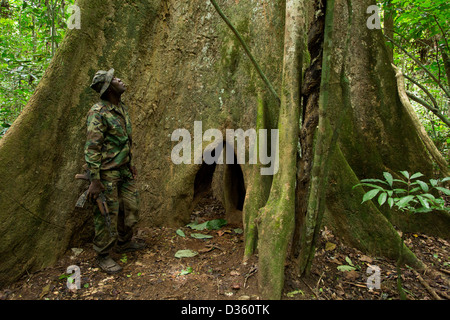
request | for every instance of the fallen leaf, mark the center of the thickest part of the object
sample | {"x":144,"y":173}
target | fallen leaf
{"x":45,"y":290}
{"x":351,"y":275}
{"x":180,"y":233}
{"x":346,"y":268}
{"x":236,"y":286}
{"x":77,"y":251}
{"x":207,"y":249}
{"x":200,"y":236}
{"x":366,"y":259}
{"x":186,"y":253}
{"x":329,"y":246}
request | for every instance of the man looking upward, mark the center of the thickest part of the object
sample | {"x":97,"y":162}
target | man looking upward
{"x":109,"y":159}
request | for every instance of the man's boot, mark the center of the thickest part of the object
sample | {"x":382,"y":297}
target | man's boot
{"x":129,"y":246}
{"x":107,"y":264}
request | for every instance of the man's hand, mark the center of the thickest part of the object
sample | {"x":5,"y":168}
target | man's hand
{"x":95,"y":188}
{"x":133,"y":171}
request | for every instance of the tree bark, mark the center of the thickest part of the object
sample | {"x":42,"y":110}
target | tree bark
{"x":276,"y":221}
{"x":356,"y":109}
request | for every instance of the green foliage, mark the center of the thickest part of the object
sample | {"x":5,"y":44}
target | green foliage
{"x":180,"y":233}
{"x":30,"y":32}
{"x":421,"y":28}
{"x":410,"y":194}
{"x":200,"y":236}
{"x":186,"y":271}
{"x":348,"y":267}
{"x":210,"y":225}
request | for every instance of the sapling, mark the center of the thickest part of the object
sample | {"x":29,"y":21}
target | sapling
{"x":410,"y":195}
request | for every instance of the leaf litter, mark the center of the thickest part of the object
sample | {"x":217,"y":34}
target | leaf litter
{"x":211,"y":268}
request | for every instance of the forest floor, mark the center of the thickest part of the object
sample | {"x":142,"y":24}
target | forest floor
{"x":217,"y":271}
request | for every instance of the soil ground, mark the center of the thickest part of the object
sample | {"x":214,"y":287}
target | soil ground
{"x":217,"y":271}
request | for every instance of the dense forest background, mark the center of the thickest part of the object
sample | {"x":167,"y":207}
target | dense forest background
{"x":417,"y":32}
{"x":30,"y":33}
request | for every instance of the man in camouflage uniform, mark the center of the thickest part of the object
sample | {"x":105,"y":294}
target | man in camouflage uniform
{"x":109,"y":159}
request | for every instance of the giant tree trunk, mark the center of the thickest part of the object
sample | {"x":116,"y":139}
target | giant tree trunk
{"x":182,"y":65}
{"x":362,"y":131}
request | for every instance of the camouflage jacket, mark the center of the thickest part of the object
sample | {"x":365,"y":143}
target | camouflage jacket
{"x":108,"y":144}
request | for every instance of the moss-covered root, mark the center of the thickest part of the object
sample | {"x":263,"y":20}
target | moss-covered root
{"x":258,"y":190}
{"x":278,"y":216}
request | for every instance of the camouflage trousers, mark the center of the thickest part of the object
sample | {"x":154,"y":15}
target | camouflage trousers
{"x":123,"y":203}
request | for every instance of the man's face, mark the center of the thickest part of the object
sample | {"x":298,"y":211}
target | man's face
{"x":118,"y":86}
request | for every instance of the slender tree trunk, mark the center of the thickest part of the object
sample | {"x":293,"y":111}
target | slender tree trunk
{"x":389,"y":16}
{"x":446,"y":60}
{"x":257,"y":191}
{"x":277,"y":216}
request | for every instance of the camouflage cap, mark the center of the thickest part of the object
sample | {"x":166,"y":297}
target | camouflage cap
{"x":102,"y":80}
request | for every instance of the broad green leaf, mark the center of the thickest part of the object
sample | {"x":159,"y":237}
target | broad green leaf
{"x":382,"y":199}
{"x":423,"y":185}
{"x":374,"y":180}
{"x":370,"y":195}
{"x":401,"y":181}
{"x":444,"y":190}
{"x":185,"y":253}
{"x":216,"y":224}
{"x":346,"y":268}
{"x":196,"y":226}
{"x":391,"y":202}
{"x":349,"y":261}
{"x":180,"y":233}
{"x":423,"y":202}
{"x":372,"y":186}
{"x":388,"y":178}
{"x":399,"y":191}
{"x":210,"y":225}
{"x":405,"y":173}
{"x":416,"y":175}
{"x":434,"y":182}
{"x":200,"y":236}
{"x":403,"y":202}
{"x":422,"y":210}
{"x":429,"y":196}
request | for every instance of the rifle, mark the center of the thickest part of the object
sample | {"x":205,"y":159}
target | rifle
{"x":101,"y":200}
